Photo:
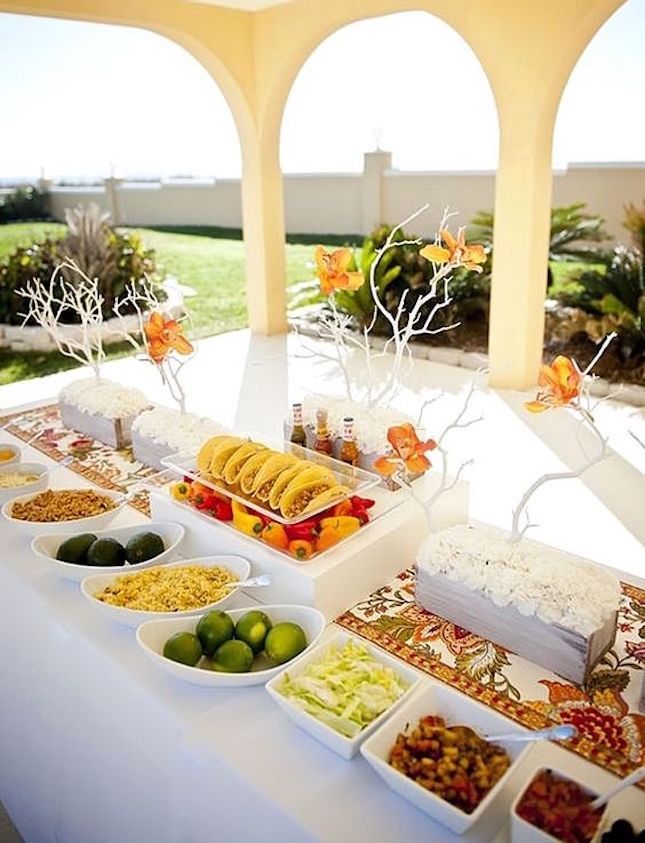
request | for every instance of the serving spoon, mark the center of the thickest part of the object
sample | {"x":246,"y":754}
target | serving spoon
{"x":562,"y":732}
{"x":634,"y":777}
{"x":253,"y":582}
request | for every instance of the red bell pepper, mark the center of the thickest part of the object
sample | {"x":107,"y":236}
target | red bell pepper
{"x":304,"y":530}
{"x":362,"y":503}
{"x":222,"y":510}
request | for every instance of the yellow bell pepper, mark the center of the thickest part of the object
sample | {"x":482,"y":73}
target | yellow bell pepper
{"x":245,"y":521}
{"x":180,"y":491}
{"x":344,"y":525}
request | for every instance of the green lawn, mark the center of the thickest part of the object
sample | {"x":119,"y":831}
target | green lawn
{"x":213,"y":267}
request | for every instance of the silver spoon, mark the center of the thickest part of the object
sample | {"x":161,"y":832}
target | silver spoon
{"x":634,"y":777}
{"x":563,"y":732}
{"x":253,"y":582}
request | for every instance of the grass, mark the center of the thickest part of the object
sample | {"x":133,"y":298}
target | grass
{"x":213,"y":267}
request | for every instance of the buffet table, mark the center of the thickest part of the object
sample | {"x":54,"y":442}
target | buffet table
{"x":97,"y":745}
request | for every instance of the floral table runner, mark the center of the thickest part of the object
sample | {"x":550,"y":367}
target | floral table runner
{"x":611,"y":731}
{"x":118,"y":470}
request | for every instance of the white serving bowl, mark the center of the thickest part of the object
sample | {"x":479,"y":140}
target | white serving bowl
{"x":457,"y":710}
{"x":152,"y":635}
{"x":134,"y":617}
{"x":76,"y":525}
{"x":17,"y":454}
{"x":28,"y":488}
{"x":524,"y":832}
{"x":172,"y":534}
{"x":343,"y":746}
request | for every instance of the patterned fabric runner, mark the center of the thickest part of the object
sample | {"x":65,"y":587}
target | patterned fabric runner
{"x":611,"y":731}
{"x":98,"y":463}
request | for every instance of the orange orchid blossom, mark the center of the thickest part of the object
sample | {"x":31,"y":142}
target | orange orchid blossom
{"x":333,"y":273}
{"x":163,"y":336}
{"x":559,"y":384}
{"x":408,"y":452}
{"x":455,"y":251}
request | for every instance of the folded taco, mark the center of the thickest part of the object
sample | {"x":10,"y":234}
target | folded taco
{"x":236,"y":462}
{"x":309,"y":471}
{"x":269,"y":473}
{"x":222,"y":453}
{"x":206,"y":451}
{"x":282,"y":481}
{"x":325,"y":499}
{"x":246,"y":477}
{"x":296,"y":500}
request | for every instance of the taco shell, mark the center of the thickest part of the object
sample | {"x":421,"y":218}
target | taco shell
{"x":206,"y":451}
{"x":246,"y":477}
{"x":296,"y":500}
{"x":282,"y":481}
{"x":309,"y":472}
{"x":325,"y":499}
{"x":269,"y":473}
{"x":236,"y":462}
{"x":222,"y":453}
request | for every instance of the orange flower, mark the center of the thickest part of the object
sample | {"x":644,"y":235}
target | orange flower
{"x":408,"y":452}
{"x":455,"y":251}
{"x":332,"y":270}
{"x":559,"y":385}
{"x":164,"y":335}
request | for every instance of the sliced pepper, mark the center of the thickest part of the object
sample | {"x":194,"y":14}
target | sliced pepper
{"x":344,"y":525}
{"x":180,"y":491}
{"x":275,"y":535}
{"x":301,"y":549}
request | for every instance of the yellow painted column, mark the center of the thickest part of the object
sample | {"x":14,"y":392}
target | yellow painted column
{"x":520,"y":258}
{"x":264,"y":236}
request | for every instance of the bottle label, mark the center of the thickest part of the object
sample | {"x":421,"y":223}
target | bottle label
{"x":348,"y":429}
{"x":297,"y":414}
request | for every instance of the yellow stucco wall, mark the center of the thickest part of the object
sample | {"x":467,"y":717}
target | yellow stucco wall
{"x":526,"y":48}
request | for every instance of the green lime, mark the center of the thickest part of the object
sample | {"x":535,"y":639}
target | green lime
{"x":233,"y":657}
{"x":75,"y":549}
{"x":105,"y":552}
{"x":142,"y":547}
{"x":213,"y":630}
{"x":183,"y":647}
{"x":252,"y":628}
{"x":284,"y":642}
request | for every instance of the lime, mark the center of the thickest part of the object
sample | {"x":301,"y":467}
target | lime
{"x":143,"y":546}
{"x":234,"y":657}
{"x":105,"y":552}
{"x":183,"y":647}
{"x":213,"y":630}
{"x":252,"y":628}
{"x":75,"y":548}
{"x":284,"y":642}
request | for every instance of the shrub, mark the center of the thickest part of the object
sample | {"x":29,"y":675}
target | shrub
{"x":116,"y":258}
{"x":23,"y":203}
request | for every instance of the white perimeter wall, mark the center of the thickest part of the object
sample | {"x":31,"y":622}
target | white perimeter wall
{"x":352,"y":203}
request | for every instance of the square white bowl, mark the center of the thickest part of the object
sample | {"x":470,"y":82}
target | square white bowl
{"x":457,"y":710}
{"x":134,"y":617}
{"x":78,"y":525}
{"x":36,"y":468}
{"x":343,"y":746}
{"x":524,"y":832}
{"x":172,"y":535}
{"x":152,"y":635}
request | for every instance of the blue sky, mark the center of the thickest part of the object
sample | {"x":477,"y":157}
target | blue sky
{"x":78,"y":98}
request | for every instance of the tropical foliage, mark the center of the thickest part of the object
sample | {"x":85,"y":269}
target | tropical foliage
{"x":115,"y":257}
{"x":23,"y":203}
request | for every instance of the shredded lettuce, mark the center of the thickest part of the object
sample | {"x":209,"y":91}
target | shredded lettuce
{"x":346,"y":689}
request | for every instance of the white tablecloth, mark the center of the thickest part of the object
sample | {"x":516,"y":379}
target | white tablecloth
{"x":99,"y":746}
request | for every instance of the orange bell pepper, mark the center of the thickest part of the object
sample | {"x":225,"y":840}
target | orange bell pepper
{"x":329,"y":536}
{"x":344,"y":525}
{"x":301,"y":549}
{"x":275,"y":535}
{"x":343,"y":508}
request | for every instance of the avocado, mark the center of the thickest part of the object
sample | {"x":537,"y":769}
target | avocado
{"x":105,"y":553}
{"x":143,"y":546}
{"x":75,"y":549}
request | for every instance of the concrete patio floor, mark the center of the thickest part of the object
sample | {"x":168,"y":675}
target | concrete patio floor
{"x":248,"y":382}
